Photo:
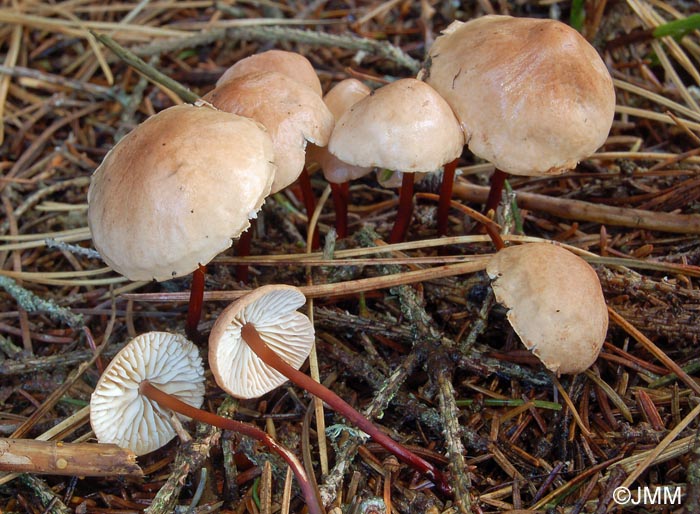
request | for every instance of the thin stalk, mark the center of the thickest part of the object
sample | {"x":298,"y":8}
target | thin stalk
{"x":194,"y":308}
{"x":165,"y":400}
{"x":403,"y":216}
{"x":307,"y":195}
{"x":243,"y":250}
{"x":269,"y":357}
{"x":341,"y":194}
{"x":448,"y":179}
{"x":498,"y":179}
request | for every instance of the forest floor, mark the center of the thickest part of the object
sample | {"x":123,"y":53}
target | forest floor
{"x":431,"y":358}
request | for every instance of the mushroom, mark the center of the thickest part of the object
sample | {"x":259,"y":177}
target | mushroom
{"x":339,"y":99}
{"x":159,"y":372}
{"x":292,"y":64}
{"x":406,"y":126}
{"x":293,"y":114}
{"x":244,"y":359}
{"x":532,"y":95}
{"x":176,"y":190}
{"x":555,"y":301}
{"x":120,"y":415}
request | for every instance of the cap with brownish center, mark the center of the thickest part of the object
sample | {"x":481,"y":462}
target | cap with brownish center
{"x":339,"y":99}
{"x":122,"y":416}
{"x":272,"y":310}
{"x":292,"y":64}
{"x":173,"y":192}
{"x":532,"y":95}
{"x":292,"y":113}
{"x":555,"y":304}
{"x":405,"y":125}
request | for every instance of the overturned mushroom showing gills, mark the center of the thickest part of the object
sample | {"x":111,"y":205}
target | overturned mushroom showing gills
{"x":405,"y":126}
{"x":555,"y":304}
{"x":119,"y":414}
{"x":243,"y":348}
{"x":153,"y":374}
{"x":175,"y":191}
{"x":532,"y":95}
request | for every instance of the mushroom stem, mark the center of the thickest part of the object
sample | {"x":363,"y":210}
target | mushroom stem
{"x":307,"y":195}
{"x":498,"y":180}
{"x":341,"y":195}
{"x":243,"y":250}
{"x":269,"y":357}
{"x":403,"y":216}
{"x":194,"y":308}
{"x":165,"y":400}
{"x":448,"y":179}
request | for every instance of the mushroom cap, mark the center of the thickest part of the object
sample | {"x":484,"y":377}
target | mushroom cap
{"x":555,"y":301}
{"x":532,"y":96}
{"x":405,"y":125}
{"x":292,"y":113}
{"x":174,"y":191}
{"x":119,"y":414}
{"x":339,"y":99}
{"x":292,"y":64}
{"x":272,"y":309}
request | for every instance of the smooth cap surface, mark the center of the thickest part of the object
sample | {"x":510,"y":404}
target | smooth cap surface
{"x":292,"y":64}
{"x":122,"y":416}
{"x":272,"y":309}
{"x":555,"y":301}
{"x":532,"y":96}
{"x":292,"y":113}
{"x":339,"y":99}
{"x":173,"y":192}
{"x":405,"y":125}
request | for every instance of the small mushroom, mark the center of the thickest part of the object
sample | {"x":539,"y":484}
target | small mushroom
{"x":119,"y":414}
{"x":339,"y":99}
{"x":555,"y":304}
{"x":176,"y":190}
{"x":266,"y":322}
{"x":406,"y":126}
{"x":292,"y":64}
{"x":532,"y":95}
{"x":153,"y":374}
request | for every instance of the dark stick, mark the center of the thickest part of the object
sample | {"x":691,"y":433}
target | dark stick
{"x":243,"y":250}
{"x":448,"y":179}
{"x":269,"y":357}
{"x":341,"y":195}
{"x":164,"y":399}
{"x":194,"y":308}
{"x":307,"y":195}
{"x":403,"y":215}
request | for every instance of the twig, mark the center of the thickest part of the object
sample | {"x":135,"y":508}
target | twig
{"x":32,"y":303}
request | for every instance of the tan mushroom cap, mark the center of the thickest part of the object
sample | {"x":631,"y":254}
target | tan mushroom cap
{"x":174,"y":191}
{"x":532,"y":96}
{"x":292,"y":113}
{"x":272,"y":309}
{"x":119,"y":414}
{"x":339,"y":99}
{"x":405,"y":125}
{"x":292,"y":64}
{"x":555,"y":301}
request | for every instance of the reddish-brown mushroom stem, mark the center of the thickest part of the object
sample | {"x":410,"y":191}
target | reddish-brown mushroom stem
{"x":498,"y":180}
{"x":403,"y":215}
{"x":164,"y":399}
{"x":194,"y":308}
{"x":448,"y":179}
{"x":269,"y":357}
{"x":307,"y":195}
{"x":341,"y":196}
{"x":243,"y":250}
